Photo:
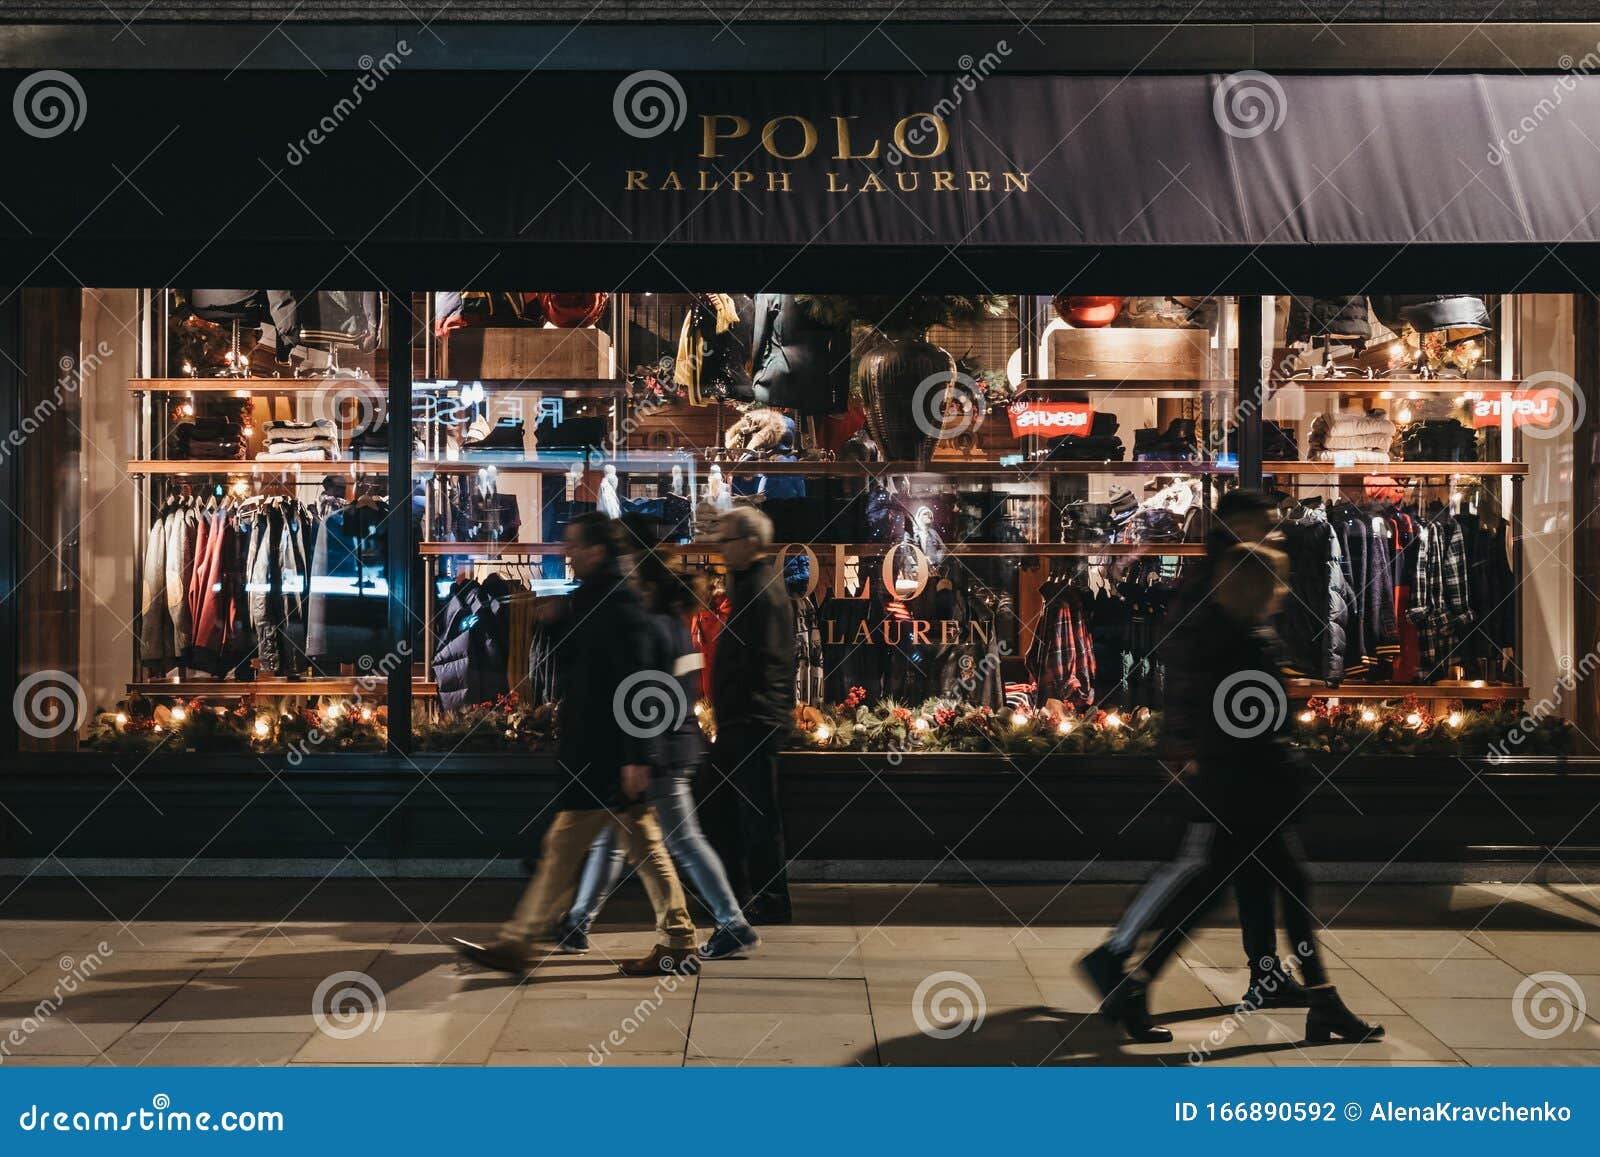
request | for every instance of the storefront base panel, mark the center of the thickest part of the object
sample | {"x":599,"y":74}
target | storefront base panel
{"x":847,"y":816}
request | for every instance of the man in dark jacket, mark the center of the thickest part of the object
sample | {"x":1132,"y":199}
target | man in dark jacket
{"x":752,"y":701}
{"x":607,"y":748}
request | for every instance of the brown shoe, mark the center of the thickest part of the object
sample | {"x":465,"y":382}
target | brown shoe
{"x":662,"y":961}
{"x":501,"y":957}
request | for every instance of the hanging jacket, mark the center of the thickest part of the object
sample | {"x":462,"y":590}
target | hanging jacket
{"x":799,"y":363}
{"x":276,"y":587}
{"x":1428,"y":312}
{"x":1315,"y":319}
{"x":326,"y":318}
{"x":155,"y":622}
{"x":713,"y":349}
{"x":1441,"y":605}
{"x":469,"y":659}
{"x":808,"y":677}
{"x":1318,"y":613}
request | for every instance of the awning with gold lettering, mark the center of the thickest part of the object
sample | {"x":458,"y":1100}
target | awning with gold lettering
{"x":564,"y":180}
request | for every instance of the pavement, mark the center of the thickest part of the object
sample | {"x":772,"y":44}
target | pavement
{"x":297,"y":972}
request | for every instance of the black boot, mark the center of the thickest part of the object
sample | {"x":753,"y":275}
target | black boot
{"x":1105,"y":969}
{"x":1329,"y":1019}
{"x":1129,"y":1007}
{"x":1274,"y":987}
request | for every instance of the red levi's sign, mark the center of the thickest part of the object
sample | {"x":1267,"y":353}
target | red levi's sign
{"x":1528,"y":408}
{"x":1051,"y":419}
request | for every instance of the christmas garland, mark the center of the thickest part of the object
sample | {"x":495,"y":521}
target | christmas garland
{"x":509,"y":724}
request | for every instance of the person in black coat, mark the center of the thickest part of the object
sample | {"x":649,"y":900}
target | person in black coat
{"x":1249,"y":777}
{"x":752,"y":700}
{"x":610,"y":732}
{"x":671,"y":599}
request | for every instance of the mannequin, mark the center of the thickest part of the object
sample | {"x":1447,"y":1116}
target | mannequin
{"x":607,"y":501}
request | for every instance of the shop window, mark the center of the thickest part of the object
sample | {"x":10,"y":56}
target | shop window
{"x":949,"y":505}
{"x":206,"y":516}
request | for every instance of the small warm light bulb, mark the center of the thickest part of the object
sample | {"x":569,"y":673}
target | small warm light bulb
{"x":1413,"y":396}
{"x":1396,"y":350}
{"x":333,"y":711}
{"x":122,"y":718}
{"x":1064,"y":727}
{"x":919,"y":724}
{"x":1018,"y":719}
{"x":1454,"y":719}
{"x":1477,"y":683}
{"x":1413,"y":719}
{"x":1368,"y":715}
{"x":822,"y":733}
{"x":1113,"y":720}
{"x":1386,"y":394}
{"x":366,"y":715}
{"x":187,"y":409}
{"x":1405,"y":415}
{"x":263,"y":727}
{"x":179,"y":715}
{"x":1307,"y":716}
{"x":699,"y":708}
{"x":158,"y":728}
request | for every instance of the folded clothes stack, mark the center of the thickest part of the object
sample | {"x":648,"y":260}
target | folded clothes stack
{"x":1100,"y":444}
{"x":1361,"y":438}
{"x":210,"y":439}
{"x":316,"y":441}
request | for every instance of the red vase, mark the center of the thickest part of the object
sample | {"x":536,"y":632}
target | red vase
{"x":1087,"y":312}
{"x":572,"y":310}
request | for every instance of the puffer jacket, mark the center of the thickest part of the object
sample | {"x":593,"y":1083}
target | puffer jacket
{"x":1427,"y":312}
{"x":1312,"y":319}
{"x":469,"y":663}
{"x":1321,"y":608}
{"x":799,"y":363}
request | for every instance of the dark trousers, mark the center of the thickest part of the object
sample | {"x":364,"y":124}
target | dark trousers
{"x":738,"y":808}
{"x":1260,"y":862}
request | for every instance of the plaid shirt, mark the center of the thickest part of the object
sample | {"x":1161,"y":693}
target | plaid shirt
{"x":1440,"y":606}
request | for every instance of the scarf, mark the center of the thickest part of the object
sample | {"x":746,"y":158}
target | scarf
{"x":692,"y":343}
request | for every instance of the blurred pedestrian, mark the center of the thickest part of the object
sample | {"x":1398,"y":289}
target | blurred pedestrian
{"x":752,"y":699}
{"x":670,"y":599}
{"x":1250,"y":778}
{"x":607,"y":748}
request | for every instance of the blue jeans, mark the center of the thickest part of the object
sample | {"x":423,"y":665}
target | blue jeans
{"x":674,"y":805}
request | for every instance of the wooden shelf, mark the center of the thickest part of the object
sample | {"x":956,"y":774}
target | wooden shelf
{"x":258,"y":469}
{"x":250,"y":385}
{"x":953,"y":468}
{"x":1401,"y":469}
{"x":1301,"y":689}
{"x":549,"y":387}
{"x":267,"y":688}
{"x":1139,"y":387}
{"x":1400,"y":388}
{"x":957,"y":550}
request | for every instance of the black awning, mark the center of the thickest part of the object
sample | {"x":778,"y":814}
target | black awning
{"x":1239,"y":183}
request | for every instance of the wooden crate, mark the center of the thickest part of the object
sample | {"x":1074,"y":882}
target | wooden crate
{"x":521,"y":354}
{"x":1130,"y":354}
